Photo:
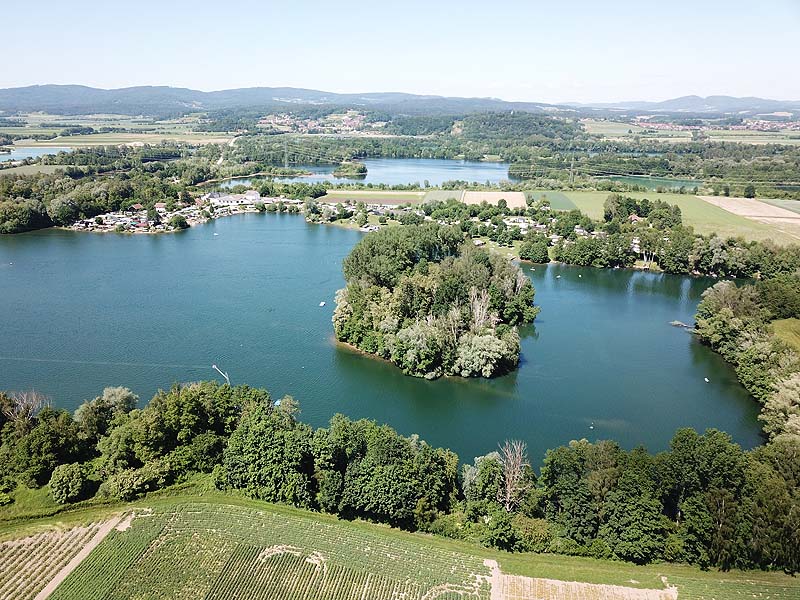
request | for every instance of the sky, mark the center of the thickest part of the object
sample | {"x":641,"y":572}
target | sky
{"x":525,"y":50}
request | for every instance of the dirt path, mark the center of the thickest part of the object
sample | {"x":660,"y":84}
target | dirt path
{"x":780,"y":218}
{"x":76,"y":560}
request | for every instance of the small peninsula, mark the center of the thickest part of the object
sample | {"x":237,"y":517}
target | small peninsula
{"x":351,"y":170}
{"x":432,"y":303}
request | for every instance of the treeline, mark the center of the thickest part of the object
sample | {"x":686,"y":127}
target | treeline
{"x":704,"y":501}
{"x":432,"y":304}
{"x":735,"y":321}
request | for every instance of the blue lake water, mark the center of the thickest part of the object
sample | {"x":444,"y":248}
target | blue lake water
{"x":81,"y":311}
{"x":22,"y":152}
{"x":400,"y":171}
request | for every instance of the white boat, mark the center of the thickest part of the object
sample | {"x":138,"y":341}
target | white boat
{"x":322,"y":304}
{"x":216,"y":234}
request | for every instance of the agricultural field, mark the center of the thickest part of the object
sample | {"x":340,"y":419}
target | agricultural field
{"x":28,"y":564}
{"x":118,"y":139}
{"x":792,"y":205}
{"x":141,"y":130}
{"x":610,"y":128}
{"x":703,"y":216}
{"x":780,"y":219}
{"x":30,"y":169}
{"x":514,"y":199}
{"x":373,"y":196}
{"x":225,"y":547}
{"x":787,"y":137}
{"x":444,"y":195}
{"x":789,"y":331}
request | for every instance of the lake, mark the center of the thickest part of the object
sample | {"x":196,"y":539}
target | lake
{"x":82,"y":311}
{"x":400,"y":171}
{"x":23,"y":152}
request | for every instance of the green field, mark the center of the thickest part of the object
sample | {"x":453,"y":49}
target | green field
{"x":443,"y":195}
{"x":704,"y":217}
{"x":373,"y":197}
{"x":789,"y":331}
{"x":610,"y":128}
{"x":222,"y":547}
{"x":116,"y":139}
{"x":29,"y":169}
{"x":792,"y":205}
{"x":791,"y":138}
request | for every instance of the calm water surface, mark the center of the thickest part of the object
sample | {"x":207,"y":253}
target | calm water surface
{"x":399,"y":171}
{"x":83,"y":311}
{"x":22,"y":152}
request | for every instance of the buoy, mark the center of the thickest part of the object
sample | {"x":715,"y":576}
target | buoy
{"x":580,"y":275}
{"x":706,"y":378}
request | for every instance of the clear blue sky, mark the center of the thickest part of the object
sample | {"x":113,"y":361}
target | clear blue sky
{"x":551,"y":51}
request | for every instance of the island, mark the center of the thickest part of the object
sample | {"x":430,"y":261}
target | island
{"x":432,"y":303}
{"x":351,"y":169}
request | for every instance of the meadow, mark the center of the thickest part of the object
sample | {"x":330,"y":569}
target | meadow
{"x":788,"y":330}
{"x":705,"y":218}
{"x":373,"y":196}
{"x":223,"y":547}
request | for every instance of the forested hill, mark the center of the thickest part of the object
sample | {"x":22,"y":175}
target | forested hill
{"x":166,"y":101}
{"x":171,"y":101}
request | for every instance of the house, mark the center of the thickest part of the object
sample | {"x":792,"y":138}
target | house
{"x":634,"y":218}
{"x":252,"y":196}
{"x":161,"y":207}
{"x":137,"y":206}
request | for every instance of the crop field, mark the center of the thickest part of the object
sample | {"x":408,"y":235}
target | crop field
{"x":609,"y":128}
{"x":29,"y":563}
{"x":703,"y":216}
{"x":557,"y":200}
{"x":755,"y":211}
{"x":224,"y":552}
{"x":792,"y":205}
{"x":118,"y":139}
{"x":222,"y":547}
{"x":373,"y":197}
{"x":514,"y":199}
{"x":444,"y":195}
{"x":786,"y":137}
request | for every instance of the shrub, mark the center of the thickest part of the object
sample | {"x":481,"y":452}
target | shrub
{"x":69,"y":483}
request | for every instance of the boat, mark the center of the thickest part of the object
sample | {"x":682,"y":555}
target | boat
{"x":322,"y":304}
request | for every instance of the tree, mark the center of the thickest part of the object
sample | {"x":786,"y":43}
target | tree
{"x":749,"y":191}
{"x":516,"y":474}
{"x":269,"y":456}
{"x":20,"y":408}
{"x":95,"y":416}
{"x":69,"y":483}
{"x":178,"y":222}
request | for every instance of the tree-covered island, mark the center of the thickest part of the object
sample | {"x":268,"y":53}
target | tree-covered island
{"x":351,"y":169}
{"x":433,"y":304}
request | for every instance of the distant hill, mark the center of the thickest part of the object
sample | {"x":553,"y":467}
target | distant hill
{"x":700,"y":105}
{"x":162,"y":100}
{"x":169,"y":101}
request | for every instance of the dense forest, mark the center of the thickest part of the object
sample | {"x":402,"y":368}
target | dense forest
{"x":433,"y":304}
{"x":704,"y":501}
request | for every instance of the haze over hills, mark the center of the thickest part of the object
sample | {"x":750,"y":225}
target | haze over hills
{"x":170,"y":101}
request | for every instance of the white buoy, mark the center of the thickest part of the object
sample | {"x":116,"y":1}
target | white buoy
{"x":706,"y":378}
{"x":580,"y":275}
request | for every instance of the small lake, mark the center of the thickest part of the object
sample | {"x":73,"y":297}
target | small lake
{"x":82,"y":311}
{"x":23,"y":152}
{"x":400,"y":171}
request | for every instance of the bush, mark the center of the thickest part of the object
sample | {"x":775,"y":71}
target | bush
{"x":534,"y":534}
{"x":69,"y":483}
{"x":5,"y":499}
